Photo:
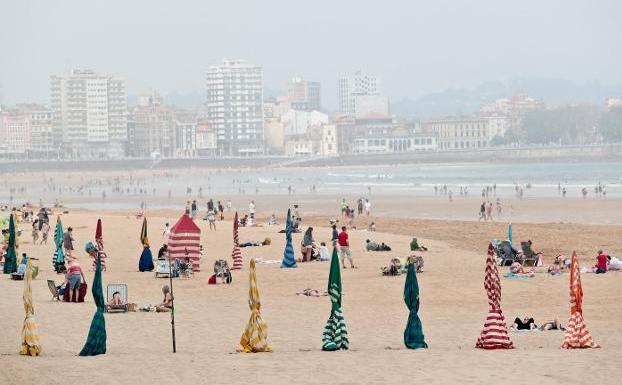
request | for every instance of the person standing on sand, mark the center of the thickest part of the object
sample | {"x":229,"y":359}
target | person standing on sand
{"x":489,"y":211}
{"x":367,"y":207}
{"x":344,"y":248}
{"x":482,"y":212}
{"x":68,"y":242}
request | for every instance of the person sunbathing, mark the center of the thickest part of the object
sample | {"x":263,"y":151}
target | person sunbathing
{"x":601,"y":263}
{"x":167,"y":303}
{"x":552,"y":325}
{"x":517,"y":268}
{"x":524,"y":324}
{"x":116,"y":299}
{"x":373,"y":246}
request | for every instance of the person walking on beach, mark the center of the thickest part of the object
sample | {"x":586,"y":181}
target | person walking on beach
{"x":251,"y":213}
{"x":344,"y":248}
{"x":68,"y":242}
{"x":367,"y":207}
{"x":45,"y":231}
{"x":489,"y":211}
{"x":359,"y":206}
{"x":211,"y":218}
{"x":482,"y":212}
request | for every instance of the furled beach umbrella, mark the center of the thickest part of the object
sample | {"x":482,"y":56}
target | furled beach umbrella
{"x":413,"y":335}
{"x":236,"y":254}
{"x":335,"y":333}
{"x":510,"y":233}
{"x":59,"y":254}
{"x":10,"y":259}
{"x":99,"y":240}
{"x":289,"y":257}
{"x":31,"y":346}
{"x":145,"y":263}
{"x":495,"y":332}
{"x":577,"y":336}
{"x":255,"y":336}
{"x":96,"y":340}
{"x":144,"y":240}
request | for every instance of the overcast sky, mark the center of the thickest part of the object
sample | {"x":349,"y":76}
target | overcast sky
{"x":415,"y":47}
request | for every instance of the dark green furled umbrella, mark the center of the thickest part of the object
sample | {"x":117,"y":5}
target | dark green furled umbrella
{"x":96,"y":340}
{"x":335,"y":332}
{"x":59,"y":255}
{"x":413,"y":335}
{"x":10,"y":259}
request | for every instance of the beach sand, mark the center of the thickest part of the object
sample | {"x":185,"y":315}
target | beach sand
{"x":210,"y":318}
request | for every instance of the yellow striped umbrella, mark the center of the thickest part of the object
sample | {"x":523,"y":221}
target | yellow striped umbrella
{"x":255,"y":336}
{"x":31,"y":346}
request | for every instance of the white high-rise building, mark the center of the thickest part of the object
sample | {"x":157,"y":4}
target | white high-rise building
{"x":356,"y":85}
{"x":235,"y":107}
{"x":90,"y":114}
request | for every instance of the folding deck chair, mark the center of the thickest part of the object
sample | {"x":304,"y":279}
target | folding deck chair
{"x":111,"y":289}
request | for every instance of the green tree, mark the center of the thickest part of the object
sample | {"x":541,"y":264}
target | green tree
{"x":610,"y":125}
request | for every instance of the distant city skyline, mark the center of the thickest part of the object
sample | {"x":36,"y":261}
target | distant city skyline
{"x":414,"y":47}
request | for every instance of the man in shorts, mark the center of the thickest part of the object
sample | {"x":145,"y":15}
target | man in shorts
{"x":344,"y":248}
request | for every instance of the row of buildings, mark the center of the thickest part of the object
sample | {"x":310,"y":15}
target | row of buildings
{"x":88,"y":117}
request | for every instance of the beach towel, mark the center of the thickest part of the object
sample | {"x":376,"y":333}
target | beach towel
{"x":519,"y":275}
{"x":96,"y":340}
{"x":495,"y":332}
{"x":577,"y":336}
{"x":236,"y":254}
{"x":289,"y":257}
{"x":31,"y":346}
{"x":335,"y":335}
{"x":254,"y":338}
{"x":413,"y":335}
{"x":10,"y":258}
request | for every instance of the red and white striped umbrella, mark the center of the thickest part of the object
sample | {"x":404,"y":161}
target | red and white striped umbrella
{"x":577,"y":336}
{"x":99,"y":239}
{"x":236,"y":254}
{"x":495,"y":332}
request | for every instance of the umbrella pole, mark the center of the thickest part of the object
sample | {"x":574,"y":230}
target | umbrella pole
{"x":170,"y":277}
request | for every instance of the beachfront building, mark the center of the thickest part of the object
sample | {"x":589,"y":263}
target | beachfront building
{"x":235,"y":107}
{"x":15,"y":133}
{"x":89,"y":114}
{"x":185,"y":133}
{"x":297,"y":122}
{"x":303,"y":95}
{"x":206,"y":144}
{"x":359,"y":95}
{"x":377,"y":133}
{"x":151,"y":127}
{"x":466,"y":133}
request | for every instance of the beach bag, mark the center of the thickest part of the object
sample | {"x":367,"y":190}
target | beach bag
{"x":212,"y":280}
{"x":81,"y":293}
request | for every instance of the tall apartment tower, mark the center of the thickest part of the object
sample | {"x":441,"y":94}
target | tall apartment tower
{"x":303,"y":95}
{"x":234,"y":107}
{"x":89,"y":114}
{"x":356,"y":85}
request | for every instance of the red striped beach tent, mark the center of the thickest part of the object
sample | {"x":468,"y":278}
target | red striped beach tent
{"x":577,"y":336}
{"x":495,"y":332}
{"x":185,"y":240}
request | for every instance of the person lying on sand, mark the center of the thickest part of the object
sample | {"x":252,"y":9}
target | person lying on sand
{"x":517,"y":268}
{"x":524,"y":324}
{"x":552,"y":325}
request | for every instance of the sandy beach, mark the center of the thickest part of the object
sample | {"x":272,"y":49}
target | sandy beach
{"x":210,"y":318}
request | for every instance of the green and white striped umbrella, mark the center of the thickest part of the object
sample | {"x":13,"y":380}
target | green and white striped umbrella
{"x":335,"y":332}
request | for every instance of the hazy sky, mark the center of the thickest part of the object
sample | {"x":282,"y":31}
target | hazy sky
{"x":415,"y":47}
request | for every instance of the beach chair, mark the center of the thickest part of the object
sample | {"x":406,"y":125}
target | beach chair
{"x":112,"y":288}
{"x":162,"y":269}
{"x":529,"y":258}
{"x":54,"y":290}
{"x":506,"y":253}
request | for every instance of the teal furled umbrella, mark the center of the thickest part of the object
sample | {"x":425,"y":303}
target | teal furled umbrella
{"x":289,"y":257}
{"x":413,"y":335}
{"x":96,"y":340}
{"x":10,"y":259}
{"x":335,"y":333}
{"x":59,"y":254}
{"x":510,"y":233}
